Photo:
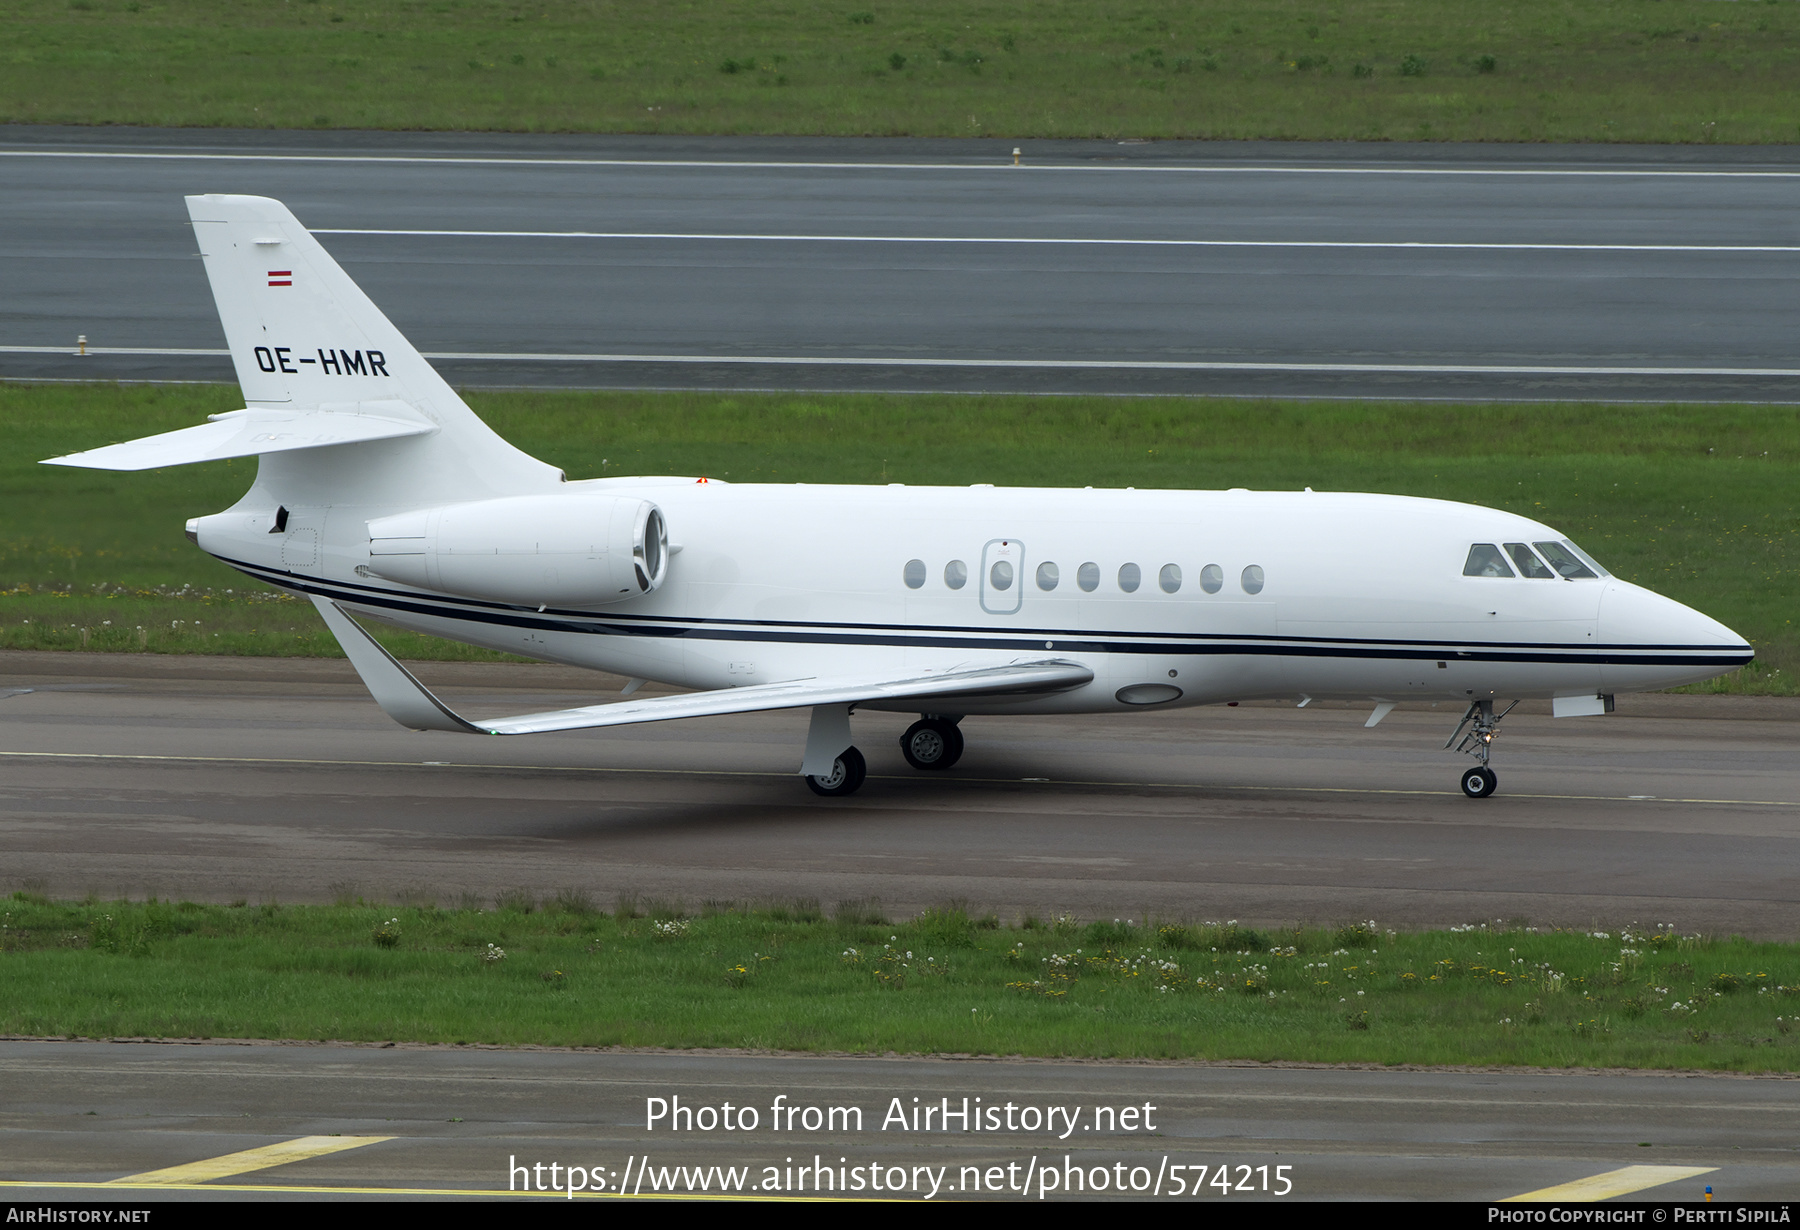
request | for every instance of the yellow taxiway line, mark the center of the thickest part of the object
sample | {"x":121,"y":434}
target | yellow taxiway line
{"x":1612,"y":1183}
{"x":197,"y":1176}
{"x":243,"y":1162}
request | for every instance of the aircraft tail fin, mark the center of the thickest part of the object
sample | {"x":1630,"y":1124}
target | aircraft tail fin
{"x":301,"y":332}
{"x":303,"y":335}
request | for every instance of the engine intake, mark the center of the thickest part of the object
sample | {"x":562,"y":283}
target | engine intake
{"x":534,"y":550}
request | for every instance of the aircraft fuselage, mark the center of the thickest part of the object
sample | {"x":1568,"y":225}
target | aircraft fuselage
{"x":1170,"y":597}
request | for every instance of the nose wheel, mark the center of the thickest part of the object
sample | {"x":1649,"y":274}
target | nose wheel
{"x":1476,"y":733}
{"x":1479,"y":782}
{"x":932,"y":743}
{"x":846,"y":778}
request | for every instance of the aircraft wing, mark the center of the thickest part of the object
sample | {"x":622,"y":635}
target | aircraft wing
{"x":410,"y":703}
{"x":256,"y":430}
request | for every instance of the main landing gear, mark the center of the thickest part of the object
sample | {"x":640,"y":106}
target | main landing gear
{"x":932,"y":742}
{"x":846,"y":777}
{"x":1479,"y":722}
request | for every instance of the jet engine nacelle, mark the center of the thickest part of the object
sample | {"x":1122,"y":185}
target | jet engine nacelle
{"x":532,"y":550}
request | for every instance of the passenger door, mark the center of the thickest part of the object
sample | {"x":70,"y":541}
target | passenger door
{"x":1002,"y":576}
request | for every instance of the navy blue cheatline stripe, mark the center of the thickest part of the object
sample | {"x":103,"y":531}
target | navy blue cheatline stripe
{"x":684,"y":624}
{"x":785,"y":632}
{"x":690,"y":622}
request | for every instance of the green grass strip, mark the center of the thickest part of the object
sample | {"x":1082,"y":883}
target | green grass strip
{"x":1695,"y":502}
{"x":784,"y":976}
{"x":1502,"y":70}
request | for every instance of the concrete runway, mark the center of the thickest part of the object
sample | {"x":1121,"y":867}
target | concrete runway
{"x":454,"y":1120}
{"x":215,"y":778}
{"x":1630,"y":273}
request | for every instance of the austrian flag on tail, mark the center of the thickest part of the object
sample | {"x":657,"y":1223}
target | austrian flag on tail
{"x":285,"y":276}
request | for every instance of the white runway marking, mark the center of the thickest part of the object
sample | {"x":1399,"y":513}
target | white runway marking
{"x":140,"y":350}
{"x":1077,"y":241}
{"x":1176,"y":365}
{"x":998,"y":165}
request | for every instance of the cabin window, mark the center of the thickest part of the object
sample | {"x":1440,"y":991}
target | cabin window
{"x":956,"y":574}
{"x":915,"y":573}
{"x":1253,"y":579}
{"x":1212,"y":578}
{"x":1169,"y":578}
{"x":1567,"y":564}
{"x":1130,"y":577}
{"x":1528,"y":564}
{"x":1485,"y":560}
{"x":1000,"y":576}
{"x":1088,"y":577}
{"x":1047,"y":576}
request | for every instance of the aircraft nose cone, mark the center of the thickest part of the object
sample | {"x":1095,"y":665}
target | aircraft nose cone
{"x":1649,"y":641}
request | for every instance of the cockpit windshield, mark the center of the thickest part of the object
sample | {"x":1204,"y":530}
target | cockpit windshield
{"x":1528,"y":564}
{"x":1566,"y":560}
{"x":1569,"y":561}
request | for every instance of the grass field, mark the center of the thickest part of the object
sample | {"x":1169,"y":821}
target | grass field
{"x":785,"y":976}
{"x":1504,"y":70}
{"x":1694,"y":501}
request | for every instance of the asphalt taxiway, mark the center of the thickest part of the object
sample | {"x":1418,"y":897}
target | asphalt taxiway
{"x":220,"y":778}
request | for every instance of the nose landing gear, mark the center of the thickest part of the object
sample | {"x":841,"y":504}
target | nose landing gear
{"x":1479,"y":723}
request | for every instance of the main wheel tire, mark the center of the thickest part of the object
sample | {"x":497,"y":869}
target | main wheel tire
{"x":932,"y":743}
{"x":847,"y":775}
{"x":1479,"y":782}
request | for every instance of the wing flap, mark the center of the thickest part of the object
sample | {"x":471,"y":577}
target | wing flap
{"x":256,"y":430}
{"x":410,"y":703}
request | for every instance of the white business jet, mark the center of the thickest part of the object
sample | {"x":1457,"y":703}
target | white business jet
{"x":381,"y":496}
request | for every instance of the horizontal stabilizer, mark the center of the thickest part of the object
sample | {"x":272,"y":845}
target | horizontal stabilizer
{"x":410,"y":703}
{"x":254,"y":431}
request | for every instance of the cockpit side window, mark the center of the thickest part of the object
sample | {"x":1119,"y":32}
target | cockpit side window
{"x":1485,"y":560}
{"x":1528,"y":564}
{"x":1564,"y":561}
